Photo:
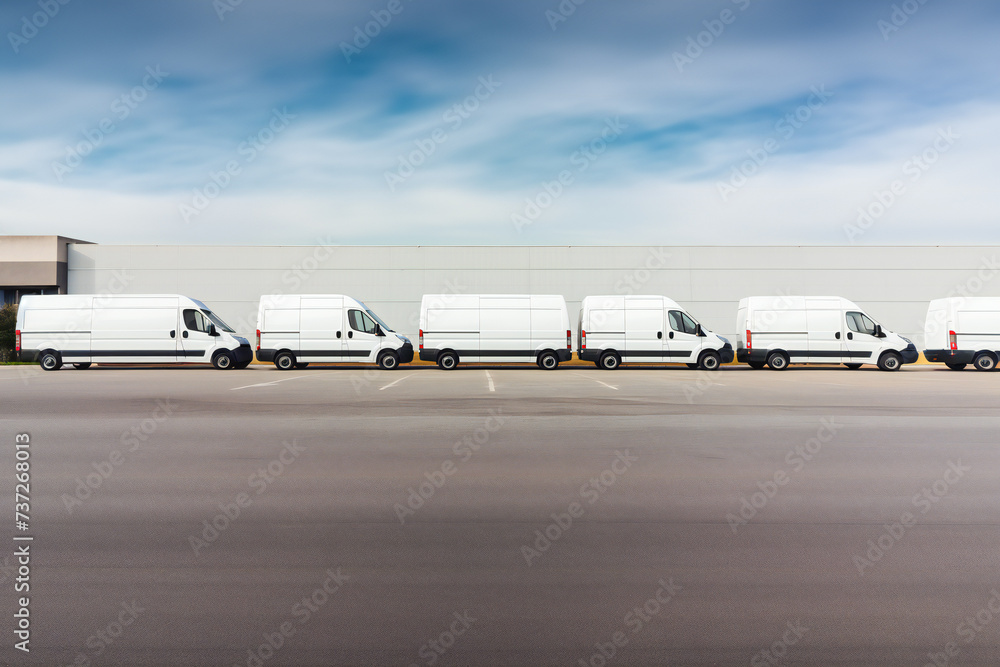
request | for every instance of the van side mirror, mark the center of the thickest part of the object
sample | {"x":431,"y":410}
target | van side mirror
{"x":212,"y":331}
{"x":878,"y":331}
{"x":700,"y":331}
{"x":378,"y":330}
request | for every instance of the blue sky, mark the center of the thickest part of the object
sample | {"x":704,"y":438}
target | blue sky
{"x":432,"y":121}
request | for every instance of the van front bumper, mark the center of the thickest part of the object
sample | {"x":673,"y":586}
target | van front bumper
{"x":726,"y":353}
{"x":949,"y":356}
{"x":910,"y":354}
{"x":405,"y":353}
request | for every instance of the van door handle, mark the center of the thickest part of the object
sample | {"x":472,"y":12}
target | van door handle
{"x":659,"y":334}
{"x":338,"y":334}
{"x":184,"y":334}
{"x":173,"y":333}
{"x":850,"y":336}
{"x":837,"y":335}
{"x":350,"y":334}
{"x":671,"y":334}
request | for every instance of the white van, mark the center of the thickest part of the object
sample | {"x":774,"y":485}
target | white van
{"x":963,"y":330}
{"x":779,"y":330}
{"x":494,"y":328}
{"x":125,"y":329}
{"x":646,"y":329}
{"x":296,"y":329}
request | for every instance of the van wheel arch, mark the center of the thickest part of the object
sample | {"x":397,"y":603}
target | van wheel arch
{"x":388,"y":360}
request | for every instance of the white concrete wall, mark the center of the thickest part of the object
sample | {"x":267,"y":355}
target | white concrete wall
{"x":893,"y":284}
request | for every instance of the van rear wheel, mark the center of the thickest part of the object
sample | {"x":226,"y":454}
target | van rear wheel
{"x":548,"y":361}
{"x":890,"y":361}
{"x":388,"y":361}
{"x":223,"y":361}
{"x":49,"y":361}
{"x":777,"y":361}
{"x":284,"y":361}
{"x":985,"y":362}
{"x":610,"y":361}
{"x":448,"y":361}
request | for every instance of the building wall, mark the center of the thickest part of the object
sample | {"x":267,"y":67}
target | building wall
{"x":33,"y":265}
{"x":893,"y":284}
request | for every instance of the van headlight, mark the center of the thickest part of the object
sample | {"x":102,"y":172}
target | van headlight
{"x":908,"y":341}
{"x":724,"y":339}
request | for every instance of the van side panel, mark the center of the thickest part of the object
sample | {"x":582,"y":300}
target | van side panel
{"x":549,"y":324}
{"x":450,"y":322}
{"x":505,"y":329}
{"x":136,"y":330}
{"x":60,"y":322}
{"x":605,"y":326}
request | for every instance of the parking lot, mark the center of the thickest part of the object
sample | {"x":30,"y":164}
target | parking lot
{"x":508,"y":516}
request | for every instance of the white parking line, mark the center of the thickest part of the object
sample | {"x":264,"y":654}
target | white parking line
{"x":268,"y":384}
{"x":489,"y":378}
{"x":609,"y":386}
{"x":395,"y":382}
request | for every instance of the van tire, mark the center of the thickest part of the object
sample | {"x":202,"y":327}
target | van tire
{"x":447,"y":361}
{"x":388,"y":361}
{"x":777,"y":361}
{"x":50,"y":361}
{"x":890,"y":361}
{"x":756,"y":365}
{"x":854,"y":367}
{"x":285,"y":361}
{"x":223,"y":361}
{"x":548,"y":361}
{"x":82,"y":367}
{"x":610,"y":361}
{"x":709,"y":361}
{"x":985,"y":361}
{"x":956,"y":367}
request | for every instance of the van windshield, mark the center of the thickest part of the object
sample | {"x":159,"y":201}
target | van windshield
{"x":385,"y":327}
{"x":219,"y":324}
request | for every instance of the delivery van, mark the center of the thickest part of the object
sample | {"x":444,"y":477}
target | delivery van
{"x":295,"y":330}
{"x":782,"y":330}
{"x":83,"y":329}
{"x":963,"y":330}
{"x":615,"y":330}
{"x":495,"y":328}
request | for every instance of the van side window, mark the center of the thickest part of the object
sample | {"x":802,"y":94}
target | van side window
{"x":681,"y":322}
{"x":361,"y":322}
{"x":860,"y":323}
{"x":195,"y":321}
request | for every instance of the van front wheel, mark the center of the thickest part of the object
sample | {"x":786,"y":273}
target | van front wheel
{"x":890,"y":361}
{"x":777,"y":361}
{"x":710,"y":361}
{"x":284,"y":361}
{"x":49,"y":361}
{"x":985,"y":362}
{"x":388,"y":361}
{"x":223,"y":361}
